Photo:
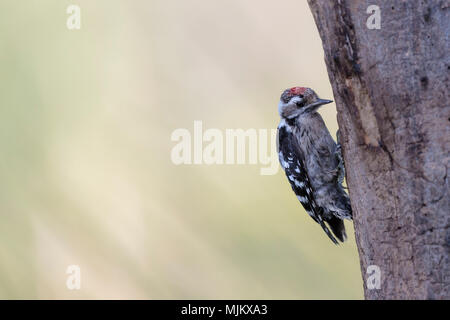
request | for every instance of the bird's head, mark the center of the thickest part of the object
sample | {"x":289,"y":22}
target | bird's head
{"x":299,"y":100}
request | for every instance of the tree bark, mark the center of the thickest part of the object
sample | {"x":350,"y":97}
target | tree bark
{"x":391,"y":89}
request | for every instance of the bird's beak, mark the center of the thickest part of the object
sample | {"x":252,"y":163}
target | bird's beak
{"x":316,"y":104}
{"x":320,"y":102}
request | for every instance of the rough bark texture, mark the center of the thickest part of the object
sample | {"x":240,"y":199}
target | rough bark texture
{"x":391,"y":89}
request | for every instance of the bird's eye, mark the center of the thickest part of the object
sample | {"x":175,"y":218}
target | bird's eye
{"x":301,"y":102}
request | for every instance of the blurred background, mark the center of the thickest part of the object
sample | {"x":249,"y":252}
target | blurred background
{"x":86,"y":118}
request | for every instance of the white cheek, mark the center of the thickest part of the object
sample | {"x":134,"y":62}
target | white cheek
{"x":282,"y":105}
{"x":294,"y":100}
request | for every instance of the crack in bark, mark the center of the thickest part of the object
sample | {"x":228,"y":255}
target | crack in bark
{"x":393,"y":161}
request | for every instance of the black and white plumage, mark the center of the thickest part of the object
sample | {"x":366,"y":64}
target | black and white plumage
{"x":312,"y":161}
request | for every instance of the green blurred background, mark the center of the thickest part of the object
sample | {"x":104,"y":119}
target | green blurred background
{"x":86,"y":176}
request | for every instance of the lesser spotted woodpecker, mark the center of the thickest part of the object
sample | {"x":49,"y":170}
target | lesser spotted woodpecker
{"x":312,"y":160}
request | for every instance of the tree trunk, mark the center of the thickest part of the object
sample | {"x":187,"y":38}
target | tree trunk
{"x":392,"y":94}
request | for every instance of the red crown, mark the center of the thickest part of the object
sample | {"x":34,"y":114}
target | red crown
{"x":297,"y":90}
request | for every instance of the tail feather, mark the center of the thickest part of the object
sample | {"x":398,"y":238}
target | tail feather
{"x":337,"y":227}
{"x":320,"y":221}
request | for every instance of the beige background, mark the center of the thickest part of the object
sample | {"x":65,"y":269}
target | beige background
{"x":86,"y":176}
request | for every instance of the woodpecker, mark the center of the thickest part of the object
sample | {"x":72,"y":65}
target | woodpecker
{"x":312,"y":161}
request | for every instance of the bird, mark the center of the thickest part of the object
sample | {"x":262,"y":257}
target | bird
{"x":312,"y":160}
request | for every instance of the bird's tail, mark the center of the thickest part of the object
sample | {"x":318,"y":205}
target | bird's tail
{"x":337,"y":227}
{"x":320,"y":221}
